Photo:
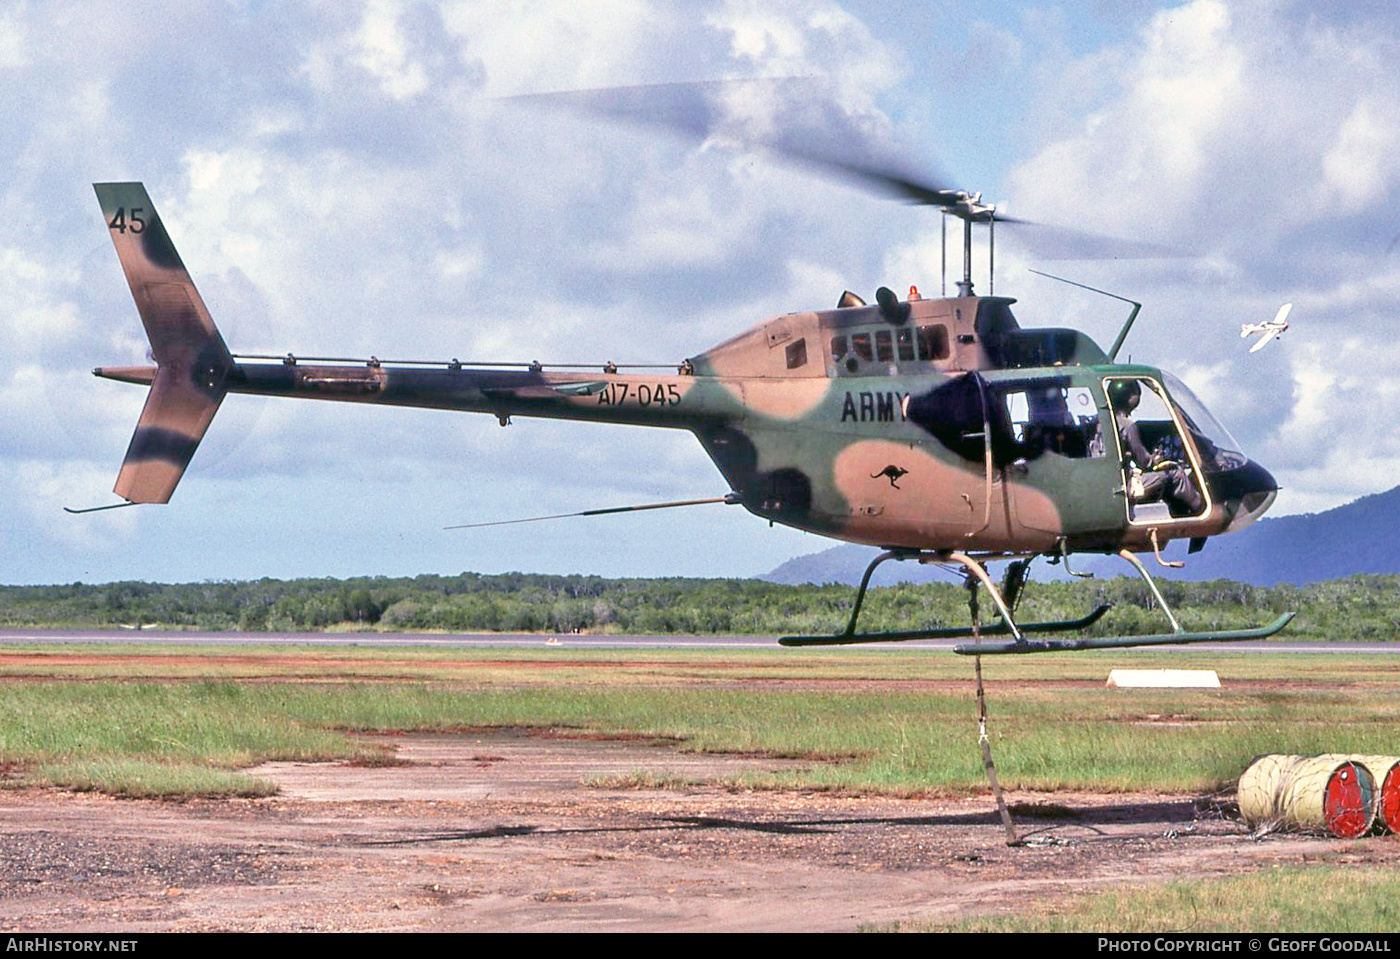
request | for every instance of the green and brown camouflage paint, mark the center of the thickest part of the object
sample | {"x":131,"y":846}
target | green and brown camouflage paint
{"x":906,"y":424}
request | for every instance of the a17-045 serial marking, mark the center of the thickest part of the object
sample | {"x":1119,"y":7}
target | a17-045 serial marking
{"x":643,"y":394}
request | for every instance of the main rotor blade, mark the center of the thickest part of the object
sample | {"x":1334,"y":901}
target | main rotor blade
{"x":800,"y":119}
{"x":1061,"y":243}
{"x":794,"y":117}
{"x":728,"y":499}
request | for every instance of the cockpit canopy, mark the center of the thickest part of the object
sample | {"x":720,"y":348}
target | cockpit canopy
{"x":1220,"y":452}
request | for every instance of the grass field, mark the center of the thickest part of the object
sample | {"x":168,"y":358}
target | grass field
{"x":1321,"y":900}
{"x":153,"y":720}
{"x":160,"y":720}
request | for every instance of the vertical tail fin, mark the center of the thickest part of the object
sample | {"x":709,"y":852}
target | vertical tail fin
{"x":192,"y":362}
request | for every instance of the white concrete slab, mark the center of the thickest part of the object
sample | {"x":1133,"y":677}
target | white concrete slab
{"x":1164,"y":678}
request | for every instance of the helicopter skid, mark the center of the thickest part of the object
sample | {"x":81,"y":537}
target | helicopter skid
{"x":1122,"y":642}
{"x":977,"y":574}
{"x":995,"y":628}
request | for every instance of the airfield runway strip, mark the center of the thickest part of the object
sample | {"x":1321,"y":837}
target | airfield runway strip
{"x":508,"y":640}
{"x":134,"y":637}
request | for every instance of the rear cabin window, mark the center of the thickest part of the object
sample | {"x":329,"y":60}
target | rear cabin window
{"x":797,"y":354}
{"x":904,"y":342}
{"x":933,"y":342}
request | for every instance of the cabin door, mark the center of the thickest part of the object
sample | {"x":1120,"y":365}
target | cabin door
{"x":1059,"y":476}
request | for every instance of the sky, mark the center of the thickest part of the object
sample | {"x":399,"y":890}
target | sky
{"x":357,"y":178}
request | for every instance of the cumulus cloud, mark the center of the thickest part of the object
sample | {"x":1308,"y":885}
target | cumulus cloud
{"x":1263,"y":140}
{"x":341,"y":180}
{"x":349,"y":179}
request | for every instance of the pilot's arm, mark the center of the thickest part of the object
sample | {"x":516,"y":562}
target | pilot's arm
{"x":1132,"y":441}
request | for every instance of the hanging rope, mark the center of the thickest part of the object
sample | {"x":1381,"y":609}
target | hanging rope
{"x":983,"y":741}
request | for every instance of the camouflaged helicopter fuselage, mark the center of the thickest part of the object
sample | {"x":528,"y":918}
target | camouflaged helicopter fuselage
{"x":942,"y":425}
{"x":827,"y":445}
{"x":926,"y":424}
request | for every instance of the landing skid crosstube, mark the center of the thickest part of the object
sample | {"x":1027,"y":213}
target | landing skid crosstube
{"x":1005,"y":599}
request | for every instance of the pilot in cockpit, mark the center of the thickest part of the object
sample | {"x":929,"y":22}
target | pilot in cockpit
{"x":1155,"y":476}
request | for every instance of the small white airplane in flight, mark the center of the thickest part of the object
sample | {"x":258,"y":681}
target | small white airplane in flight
{"x":1272,"y":330}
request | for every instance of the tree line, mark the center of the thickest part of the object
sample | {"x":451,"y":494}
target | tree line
{"x":1356,"y":608}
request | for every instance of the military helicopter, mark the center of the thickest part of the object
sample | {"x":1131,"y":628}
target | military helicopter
{"x":938,"y":429}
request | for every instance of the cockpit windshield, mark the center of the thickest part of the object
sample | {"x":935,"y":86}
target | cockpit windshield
{"x":1220,"y":452}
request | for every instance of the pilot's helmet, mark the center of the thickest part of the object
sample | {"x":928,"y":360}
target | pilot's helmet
{"x":1124,"y":392}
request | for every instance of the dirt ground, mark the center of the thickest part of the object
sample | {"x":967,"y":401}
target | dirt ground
{"x":512,"y":831}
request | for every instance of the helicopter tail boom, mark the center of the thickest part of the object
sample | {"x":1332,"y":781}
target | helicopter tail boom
{"x":192,"y":362}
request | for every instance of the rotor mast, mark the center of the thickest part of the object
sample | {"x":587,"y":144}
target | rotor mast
{"x":969,"y":208}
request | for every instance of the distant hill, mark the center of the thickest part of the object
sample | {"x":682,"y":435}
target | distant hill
{"x":845,"y":564}
{"x":1361,"y":537}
